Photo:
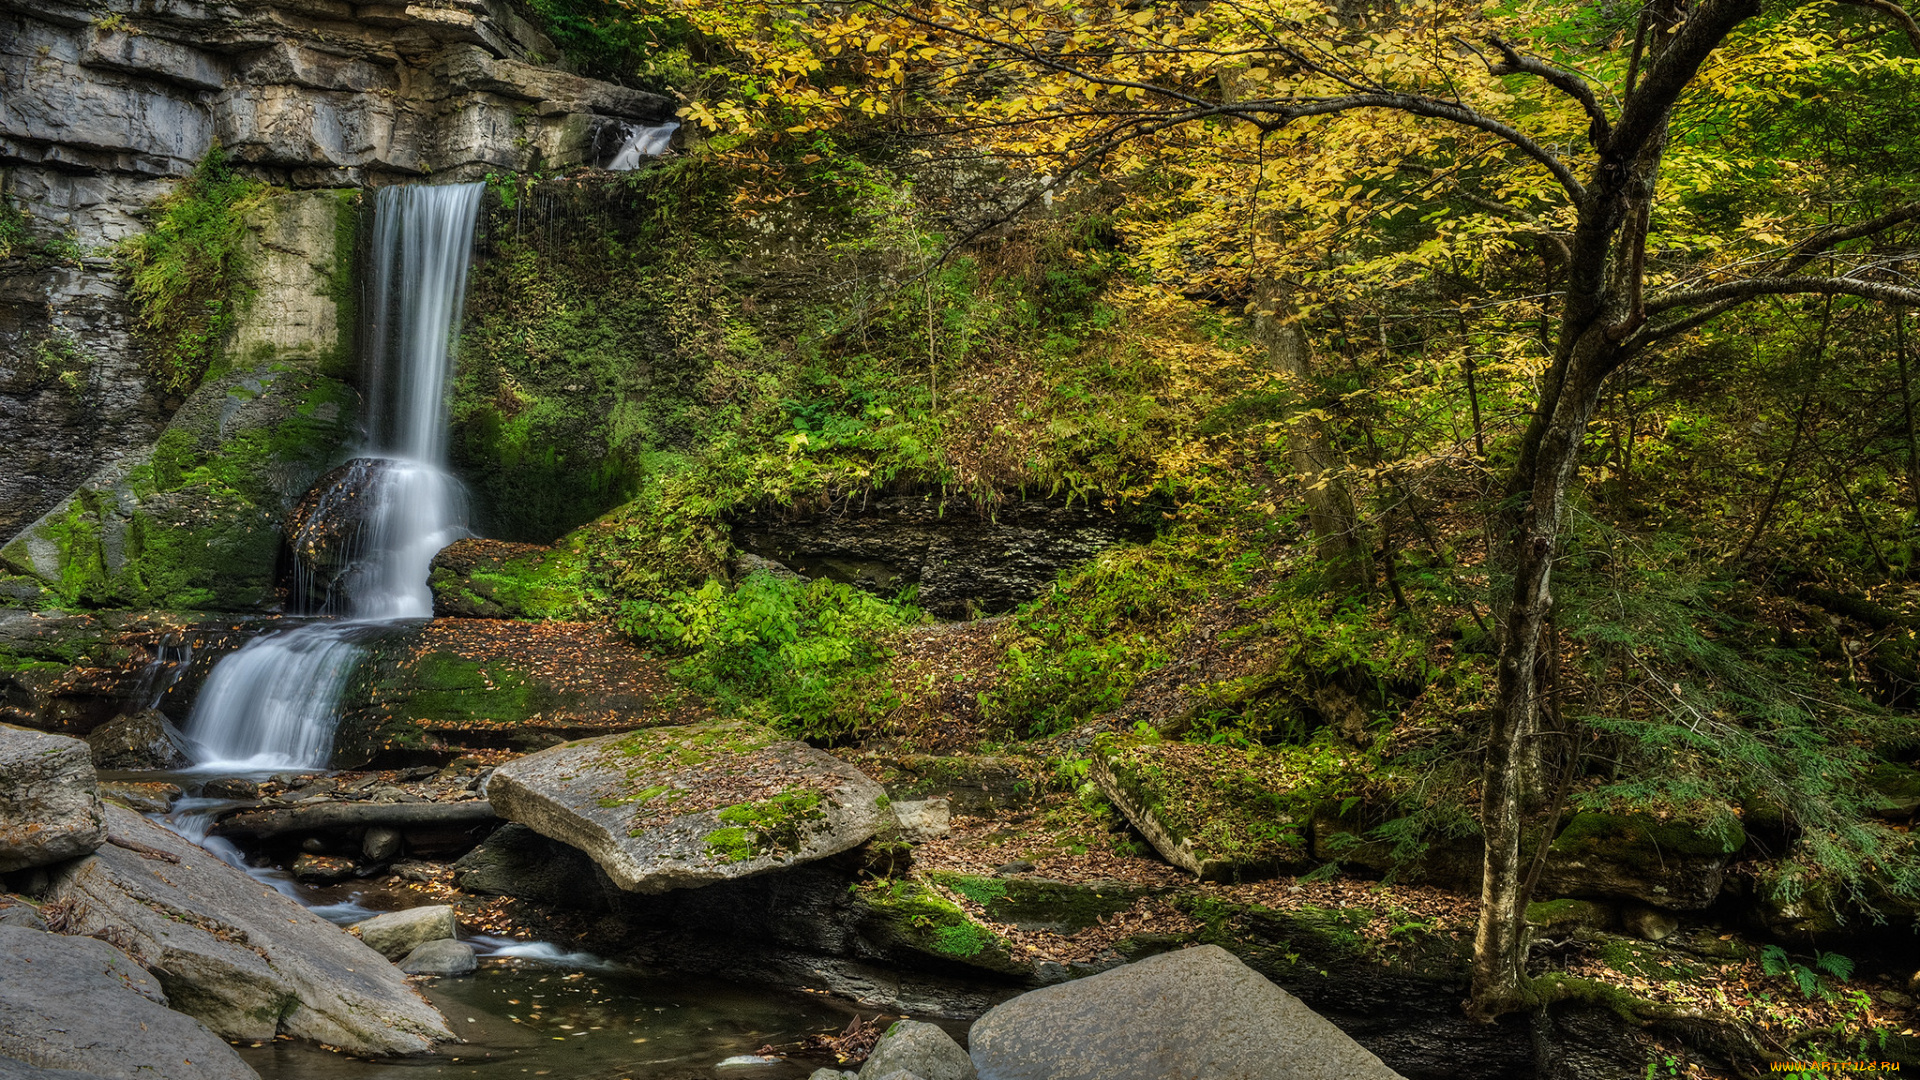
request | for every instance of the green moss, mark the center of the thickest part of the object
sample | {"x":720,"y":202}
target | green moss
{"x":648,"y":749}
{"x":1238,"y":810}
{"x":780,"y":823}
{"x":1057,"y":906}
{"x":914,"y":916}
{"x":188,"y":273}
{"x":730,"y":845}
{"x":638,"y":798}
{"x":1561,"y":916}
{"x":1642,"y":843}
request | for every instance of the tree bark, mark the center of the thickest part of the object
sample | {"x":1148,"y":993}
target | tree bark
{"x":1310,"y":450}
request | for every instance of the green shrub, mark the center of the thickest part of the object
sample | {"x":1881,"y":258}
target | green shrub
{"x":188,"y":272}
{"x":802,"y":655}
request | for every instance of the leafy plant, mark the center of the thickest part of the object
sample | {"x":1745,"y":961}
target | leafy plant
{"x":798,"y":654}
{"x":189,"y":270}
{"x":1776,"y":962}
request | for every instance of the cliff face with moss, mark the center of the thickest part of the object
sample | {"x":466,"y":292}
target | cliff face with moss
{"x":175,"y":338}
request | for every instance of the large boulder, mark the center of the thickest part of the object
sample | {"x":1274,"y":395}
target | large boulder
{"x":1196,"y":1012}
{"x":50,"y":809}
{"x":139,"y":740}
{"x":680,"y":807}
{"x":1218,"y":812}
{"x":920,"y":1049}
{"x":397,"y":933}
{"x":1668,"y":863}
{"x":243,"y":959}
{"x":73,"y":1003}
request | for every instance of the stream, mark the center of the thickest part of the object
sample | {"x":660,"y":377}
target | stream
{"x":534,"y":1009}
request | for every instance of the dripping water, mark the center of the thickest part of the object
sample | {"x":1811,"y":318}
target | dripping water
{"x":274,"y":704}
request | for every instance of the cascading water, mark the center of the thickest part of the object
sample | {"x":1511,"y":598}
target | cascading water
{"x":642,"y":141}
{"x":274,"y":703}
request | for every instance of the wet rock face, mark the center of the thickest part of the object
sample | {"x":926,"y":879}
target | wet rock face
{"x":964,"y":561}
{"x":246,"y":961}
{"x":325,"y":536}
{"x":90,"y":1009}
{"x":103,"y":106}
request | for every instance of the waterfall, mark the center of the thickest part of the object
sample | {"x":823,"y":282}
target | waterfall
{"x":643,"y":141}
{"x":274,"y":703}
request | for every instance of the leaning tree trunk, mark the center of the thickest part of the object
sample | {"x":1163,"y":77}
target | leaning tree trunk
{"x":1310,"y":450}
{"x":1499,"y":954}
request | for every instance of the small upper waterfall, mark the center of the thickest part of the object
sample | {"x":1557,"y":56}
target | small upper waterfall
{"x":274,"y":703}
{"x":642,"y":141}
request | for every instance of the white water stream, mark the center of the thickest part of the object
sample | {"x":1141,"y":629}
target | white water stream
{"x":274,"y":704}
{"x":643,"y":141}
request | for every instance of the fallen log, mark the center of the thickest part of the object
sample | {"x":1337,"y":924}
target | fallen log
{"x":332,"y":816}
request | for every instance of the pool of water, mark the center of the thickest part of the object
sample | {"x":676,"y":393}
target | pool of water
{"x":522,"y":1017}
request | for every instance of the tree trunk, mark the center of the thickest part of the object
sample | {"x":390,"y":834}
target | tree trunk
{"x":1310,"y":449}
{"x":1499,"y":955}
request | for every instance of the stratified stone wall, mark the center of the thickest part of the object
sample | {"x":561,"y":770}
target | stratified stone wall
{"x":104,"y":107}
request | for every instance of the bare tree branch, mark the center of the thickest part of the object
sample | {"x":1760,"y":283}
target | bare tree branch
{"x":1724,"y":297}
{"x":1575,"y":87}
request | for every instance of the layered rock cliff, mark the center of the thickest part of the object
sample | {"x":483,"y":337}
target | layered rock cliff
{"x":104,"y":108}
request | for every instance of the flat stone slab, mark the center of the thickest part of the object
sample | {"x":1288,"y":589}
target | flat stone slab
{"x":1217,"y":812}
{"x":680,"y":807}
{"x":73,"y":1003}
{"x":50,"y":808}
{"x":1195,"y":1012}
{"x":236,"y":955}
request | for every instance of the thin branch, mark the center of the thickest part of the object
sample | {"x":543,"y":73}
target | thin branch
{"x":1786,"y":286}
{"x":1568,"y":83}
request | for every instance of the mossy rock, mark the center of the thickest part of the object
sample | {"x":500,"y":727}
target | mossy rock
{"x":456,"y":684}
{"x":1671,"y":863}
{"x":496,"y":579}
{"x":910,"y":915}
{"x":1287,"y":944}
{"x":1898,"y":788}
{"x":1558,"y":918}
{"x":1221,"y":812}
{"x":682,"y":807}
{"x":1037,"y":904}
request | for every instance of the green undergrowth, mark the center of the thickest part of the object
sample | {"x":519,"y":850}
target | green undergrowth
{"x":204,"y":529}
{"x":801,"y":655}
{"x":188,"y":271}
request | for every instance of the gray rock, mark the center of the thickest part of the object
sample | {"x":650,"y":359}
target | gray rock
{"x":141,"y":798}
{"x":923,"y":819}
{"x":920,"y":1049}
{"x":516,"y":861}
{"x":141,"y":740}
{"x":643,"y":806}
{"x":230,"y":787}
{"x":965,"y":562}
{"x":902,"y":1074}
{"x":1197,"y":1012}
{"x":441,"y":956}
{"x":246,"y":961}
{"x":50,"y":809}
{"x":15,"y":1069}
{"x":1648,"y":923}
{"x":380,"y":844}
{"x":396,"y":933}
{"x":831,"y":1074}
{"x":19,"y":913}
{"x":89,"y":1008}
{"x":322,"y":869}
